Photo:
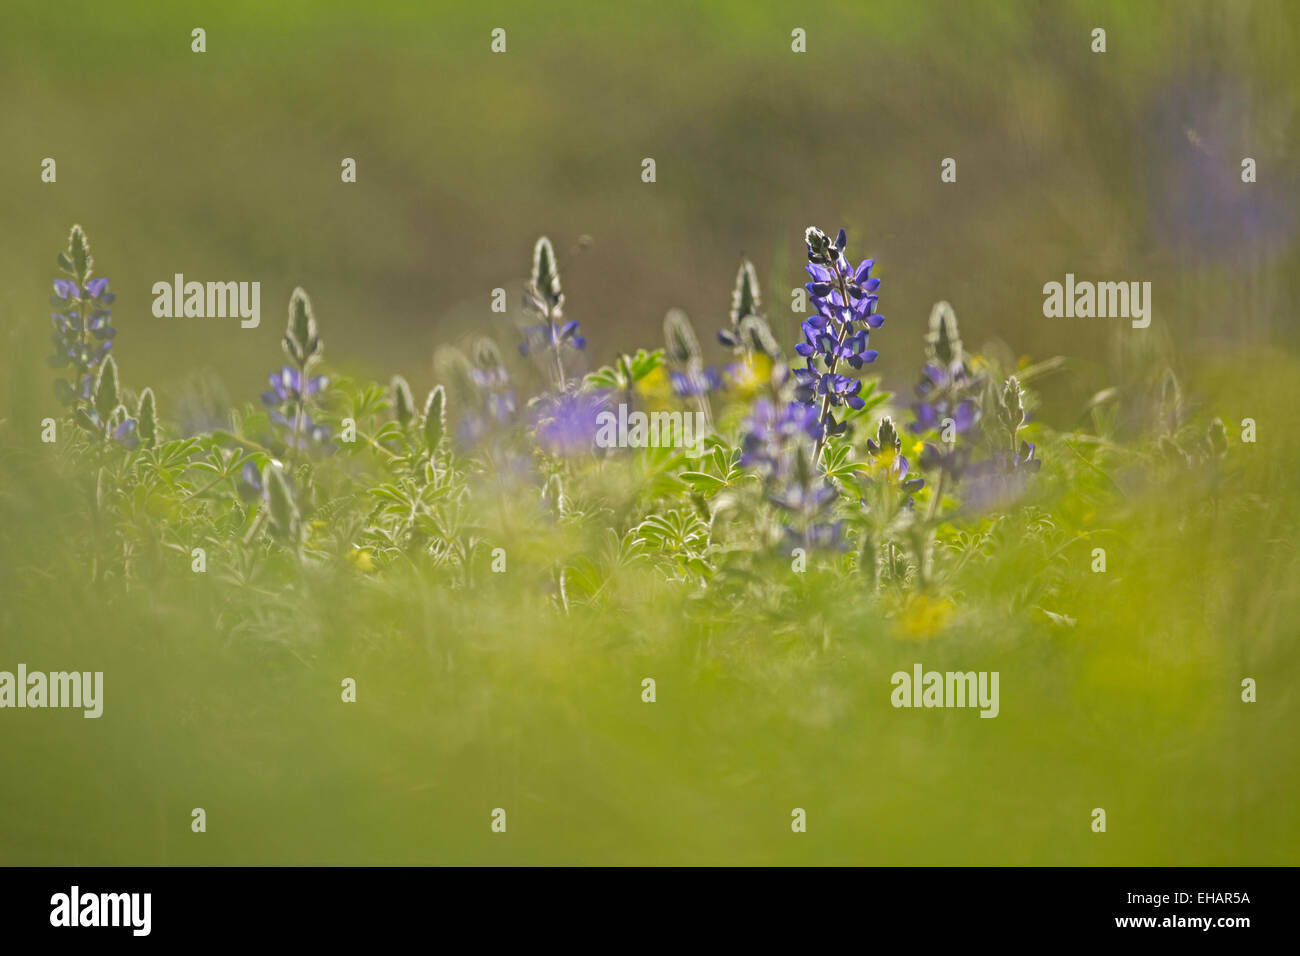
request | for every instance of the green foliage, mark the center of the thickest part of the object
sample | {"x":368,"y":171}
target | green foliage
{"x":627,"y":371}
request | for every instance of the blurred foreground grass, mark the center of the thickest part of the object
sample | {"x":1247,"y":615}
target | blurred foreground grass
{"x":228,"y":699}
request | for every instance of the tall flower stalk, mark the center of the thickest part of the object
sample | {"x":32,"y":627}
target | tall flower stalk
{"x":83,"y":339}
{"x":544,"y":299}
{"x":82,"y":334}
{"x":690,"y":379}
{"x":748,"y":332}
{"x":947,"y":403}
{"x":845,"y":301}
{"x":294,"y":387}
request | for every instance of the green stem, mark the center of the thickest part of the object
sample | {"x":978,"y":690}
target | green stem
{"x":559,"y":360}
{"x":938,"y":495}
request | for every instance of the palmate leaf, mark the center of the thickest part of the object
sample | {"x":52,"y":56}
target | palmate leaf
{"x":586,"y":579}
{"x":171,"y":459}
{"x":721,"y":469}
{"x":674,"y":531}
{"x":389,"y":431}
{"x":369,"y":399}
{"x":643,"y":363}
{"x":626,"y":371}
{"x":703,"y":482}
{"x":580,"y":583}
{"x":838,"y":462}
{"x":393,"y":493}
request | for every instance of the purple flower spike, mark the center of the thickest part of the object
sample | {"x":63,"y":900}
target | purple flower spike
{"x":83,"y":333}
{"x":844,"y":299}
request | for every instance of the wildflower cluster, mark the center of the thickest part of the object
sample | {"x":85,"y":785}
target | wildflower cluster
{"x":429,"y":484}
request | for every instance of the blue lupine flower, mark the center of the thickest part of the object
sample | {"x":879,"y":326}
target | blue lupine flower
{"x":779,"y":445}
{"x":286,"y":386}
{"x":498,"y":396}
{"x":250,"y":483}
{"x":1000,"y":479}
{"x":844,"y":297}
{"x":126,"y":433}
{"x":1003,"y":475}
{"x":292,"y":388}
{"x":488,"y":392}
{"x":119,"y":427}
{"x":949,"y":458}
{"x":286,"y":406}
{"x":548,"y":335}
{"x":947,"y":402}
{"x":769,"y":432}
{"x":948,"y":389}
{"x":693,"y":382}
{"x":565,"y":424}
{"x":82,"y":334}
{"x":945,"y":393}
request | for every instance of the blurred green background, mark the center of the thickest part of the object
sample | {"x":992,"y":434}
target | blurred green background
{"x":225,"y":166}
